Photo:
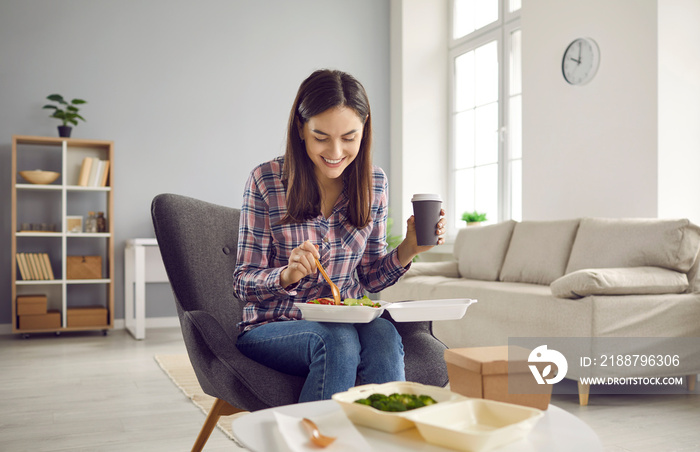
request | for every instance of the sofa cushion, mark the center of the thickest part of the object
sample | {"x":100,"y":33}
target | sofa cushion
{"x":606,"y":243}
{"x":446,"y":268}
{"x":479,"y":250}
{"x":539,"y":251}
{"x":619,"y":281}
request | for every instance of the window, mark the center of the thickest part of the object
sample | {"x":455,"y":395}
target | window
{"x":485,"y":102}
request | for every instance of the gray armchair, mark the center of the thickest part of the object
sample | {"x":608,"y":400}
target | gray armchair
{"x":198,"y":243}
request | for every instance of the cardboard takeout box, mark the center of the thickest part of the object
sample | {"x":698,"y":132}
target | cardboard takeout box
{"x":483,"y":372}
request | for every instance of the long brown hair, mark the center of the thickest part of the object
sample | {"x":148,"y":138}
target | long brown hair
{"x":322,"y":90}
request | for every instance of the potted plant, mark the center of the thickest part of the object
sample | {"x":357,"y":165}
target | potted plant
{"x":66,"y":112}
{"x":473,"y":218}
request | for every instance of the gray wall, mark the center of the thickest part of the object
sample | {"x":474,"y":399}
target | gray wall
{"x":194,"y":94}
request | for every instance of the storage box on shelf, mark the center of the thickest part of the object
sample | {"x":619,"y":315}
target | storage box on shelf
{"x":87,"y":316}
{"x":83,"y":267}
{"x":42,"y":246}
{"x":31,"y":304}
{"x":37,"y":322}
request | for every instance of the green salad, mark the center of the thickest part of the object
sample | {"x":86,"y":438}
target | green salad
{"x":364,"y":301}
{"x":397,"y":402}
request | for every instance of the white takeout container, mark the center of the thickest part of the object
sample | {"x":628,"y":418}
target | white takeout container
{"x":391,"y":422}
{"x":403,"y":311}
{"x":339,"y":314}
{"x":415,"y":311}
{"x":474,"y":425}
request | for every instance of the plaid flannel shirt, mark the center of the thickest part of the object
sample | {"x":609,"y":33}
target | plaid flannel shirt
{"x":355,"y":259}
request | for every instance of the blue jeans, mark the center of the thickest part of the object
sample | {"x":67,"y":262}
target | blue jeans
{"x":332,"y":356}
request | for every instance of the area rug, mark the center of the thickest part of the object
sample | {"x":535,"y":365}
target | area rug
{"x":180,"y":371}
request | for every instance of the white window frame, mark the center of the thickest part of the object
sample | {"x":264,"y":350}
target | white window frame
{"x":499,"y":31}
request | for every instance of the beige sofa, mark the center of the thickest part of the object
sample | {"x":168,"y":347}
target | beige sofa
{"x":581,"y":278}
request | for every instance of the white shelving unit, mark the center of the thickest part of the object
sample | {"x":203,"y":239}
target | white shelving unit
{"x":51,"y":204}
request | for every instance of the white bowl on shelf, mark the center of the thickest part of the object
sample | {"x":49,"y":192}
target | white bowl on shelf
{"x":39,"y":177}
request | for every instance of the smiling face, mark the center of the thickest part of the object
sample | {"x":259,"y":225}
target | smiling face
{"x":332,"y":140}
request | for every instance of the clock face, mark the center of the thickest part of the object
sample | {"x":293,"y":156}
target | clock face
{"x":580,"y":61}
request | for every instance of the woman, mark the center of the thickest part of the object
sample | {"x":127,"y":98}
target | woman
{"x":323,"y":200}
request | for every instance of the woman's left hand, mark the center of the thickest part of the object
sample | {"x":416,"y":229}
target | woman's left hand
{"x":408,"y":249}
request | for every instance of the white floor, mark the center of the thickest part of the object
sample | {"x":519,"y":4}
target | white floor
{"x":639,"y":423}
{"x":87,"y":392}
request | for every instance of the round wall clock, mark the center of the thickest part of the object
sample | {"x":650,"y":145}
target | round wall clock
{"x":580,"y":62}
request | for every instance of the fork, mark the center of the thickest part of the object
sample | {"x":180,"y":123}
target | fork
{"x":334,"y":289}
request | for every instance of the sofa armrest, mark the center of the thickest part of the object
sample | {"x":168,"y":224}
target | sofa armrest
{"x":694,"y":276}
{"x":447,"y":269}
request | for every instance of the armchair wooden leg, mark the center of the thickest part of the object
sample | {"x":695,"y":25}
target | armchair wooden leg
{"x":220,"y":408}
{"x":690,"y":381}
{"x":583,"y":391}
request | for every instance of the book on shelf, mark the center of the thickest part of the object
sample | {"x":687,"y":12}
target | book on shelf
{"x":23,"y":270}
{"x":42,"y":267}
{"x":85,"y":169}
{"x":104,"y":173}
{"x":35,"y":266}
{"x":39,"y":266}
{"x":33,"y":271}
{"x":93,"y":172}
{"x":94,"y":169}
{"x":39,"y":258}
{"x":47,"y":264}
{"x":38,"y":270}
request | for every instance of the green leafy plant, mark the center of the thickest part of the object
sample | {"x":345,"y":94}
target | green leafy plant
{"x":394,"y":241}
{"x":473,"y":217}
{"x":66,"y":112}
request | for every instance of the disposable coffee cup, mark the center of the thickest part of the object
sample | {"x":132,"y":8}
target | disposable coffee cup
{"x":426,"y":210}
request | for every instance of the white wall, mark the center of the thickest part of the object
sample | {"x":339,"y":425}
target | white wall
{"x":418,"y":103}
{"x":194,"y":94}
{"x":624,"y":145}
{"x":679,"y":109}
{"x":590,"y":150}
{"x":627,"y":144}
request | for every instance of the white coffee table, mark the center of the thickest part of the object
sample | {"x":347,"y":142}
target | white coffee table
{"x":558,"y":430}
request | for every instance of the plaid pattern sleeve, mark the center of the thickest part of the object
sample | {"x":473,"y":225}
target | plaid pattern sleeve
{"x":256,"y":278}
{"x":356,"y":259}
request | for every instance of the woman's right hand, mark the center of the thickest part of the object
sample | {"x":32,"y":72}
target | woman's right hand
{"x":301,"y":263}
